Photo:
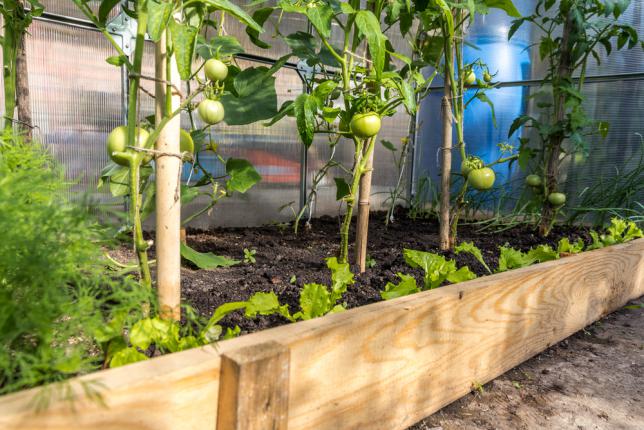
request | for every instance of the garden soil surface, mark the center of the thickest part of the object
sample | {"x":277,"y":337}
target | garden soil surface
{"x":285,"y":261}
{"x":592,"y":380}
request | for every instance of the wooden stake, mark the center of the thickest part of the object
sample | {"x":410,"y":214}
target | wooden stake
{"x":362,"y":228}
{"x":168,"y":202}
{"x":253,"y":388}
{"x":446,"y":168}
{"x":23,"y":100}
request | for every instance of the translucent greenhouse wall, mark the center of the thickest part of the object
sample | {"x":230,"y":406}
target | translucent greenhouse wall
{"x":77,"y":98}
{"x":614,"y":92}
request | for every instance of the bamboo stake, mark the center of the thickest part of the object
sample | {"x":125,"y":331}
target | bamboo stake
{"x":168,"y":202}
{"x":362,"y":228}
{"x":446,"y":167}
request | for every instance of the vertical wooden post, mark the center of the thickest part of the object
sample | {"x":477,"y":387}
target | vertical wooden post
{"x":254,"y":388}
{"x":446,"y":168}
{"x":362,"y":227}
{"x":168,"y":201}
{"x":23,"y":100}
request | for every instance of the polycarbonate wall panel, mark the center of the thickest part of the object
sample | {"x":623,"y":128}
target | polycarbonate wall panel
{"x":69,"y":9}
{"x":75,"y":97}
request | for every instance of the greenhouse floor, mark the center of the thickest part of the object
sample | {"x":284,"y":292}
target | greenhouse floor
{"x":592,"y":380}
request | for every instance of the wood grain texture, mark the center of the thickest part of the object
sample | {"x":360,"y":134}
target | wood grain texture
{"x":382,"y":366}
{"x":254,"y":387}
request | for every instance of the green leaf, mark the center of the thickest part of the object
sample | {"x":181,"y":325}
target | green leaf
{"x":543,"y":253}
{"x":262,"y":304}
{"x":369,"y":26}
{"x":436,"y":267}
{"x":342,"y":188}
{"x":323,"y":89}
{"x":320,"y":14}
{"x":408,"y":96}
{"x":565,"y":247}
{"x":158,"y":15}
{"x":183,"y":41}
{"x":224,"y":310}
{"x":341,"y":277}
{"x":315,"y":301}
{"x":518,"y":122}
{"x":260,"y":105}
{"x":116,"y":60}
{"x":105,"y":8}
{"x":219,"y":46}
{"x":303,"y":45}
{"x":127,"y":356}
{"x":330,"y":114}
{"x":405,"y":287}
{"x":206,"y":260}
{"x":510,"y":258}
{"x":505,"y":5}
{"x":235,"y":11}
{"x":485,"y":99}
{"x":305,"y":107}
{"x":461,"y":275}
{"x":390,"y":146}
{"x":259,"y":16}
{"x":242,"y":175}
{"x":471,"y":249}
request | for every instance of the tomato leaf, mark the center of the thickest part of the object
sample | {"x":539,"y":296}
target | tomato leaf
{"x":305,"y":107}
{"x":260,"y":16}
{"x":158,"y":15}
{"x":105,"y":8}
{"x":342,"y":189}
{"x":219,"y":46}
{"x":320,"y":16}
{"x":206,"y":260}
{"x":369,"y":26}
{"x":259,"y":105}
{"x":505,"y":5}
{"x":242,"y":175}
{"x":235,"y":11}
{"x":183,"y":40}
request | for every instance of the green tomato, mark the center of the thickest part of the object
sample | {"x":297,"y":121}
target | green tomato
{"x":557,"y":199}
{"x":186,"y":144}
{"x":215,"y":70}
{"x":365,"y":125}
{"x":211,"y":111}
{"x":533,"y":180}
{"x":117,"y":142}
{"x":487,"y":77}
{"x":470,"y":78}
{"x":481,"y":179}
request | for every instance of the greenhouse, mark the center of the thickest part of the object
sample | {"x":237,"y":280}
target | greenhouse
{"x":321,"y":214}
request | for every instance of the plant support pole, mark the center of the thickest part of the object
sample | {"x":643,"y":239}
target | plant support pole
{"x":168,"y":191}
{"x":23,"y":100}
{"x":362,"y":227}
{"x":446,"y":166}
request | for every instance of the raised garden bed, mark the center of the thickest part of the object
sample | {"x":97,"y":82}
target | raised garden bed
{"x":382,"y":366}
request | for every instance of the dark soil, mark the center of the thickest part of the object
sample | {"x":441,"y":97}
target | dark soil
{"x":282,"y":256}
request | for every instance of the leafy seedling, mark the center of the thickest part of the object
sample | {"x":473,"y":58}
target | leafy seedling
{"x":249,"y":256}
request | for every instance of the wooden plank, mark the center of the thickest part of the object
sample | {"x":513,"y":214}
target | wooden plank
{"x":253,"y":388}
{"x":173,"y":392}
{"x":382,"y":366}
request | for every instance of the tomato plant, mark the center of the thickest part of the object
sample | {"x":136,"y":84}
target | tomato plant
{"x":571,"y":32}
{"x":177,"y":28}
{"x":445,"y":25}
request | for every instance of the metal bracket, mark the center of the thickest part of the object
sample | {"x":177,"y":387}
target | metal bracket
{"x":125,"y":27}
{"x":306,"y":72}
